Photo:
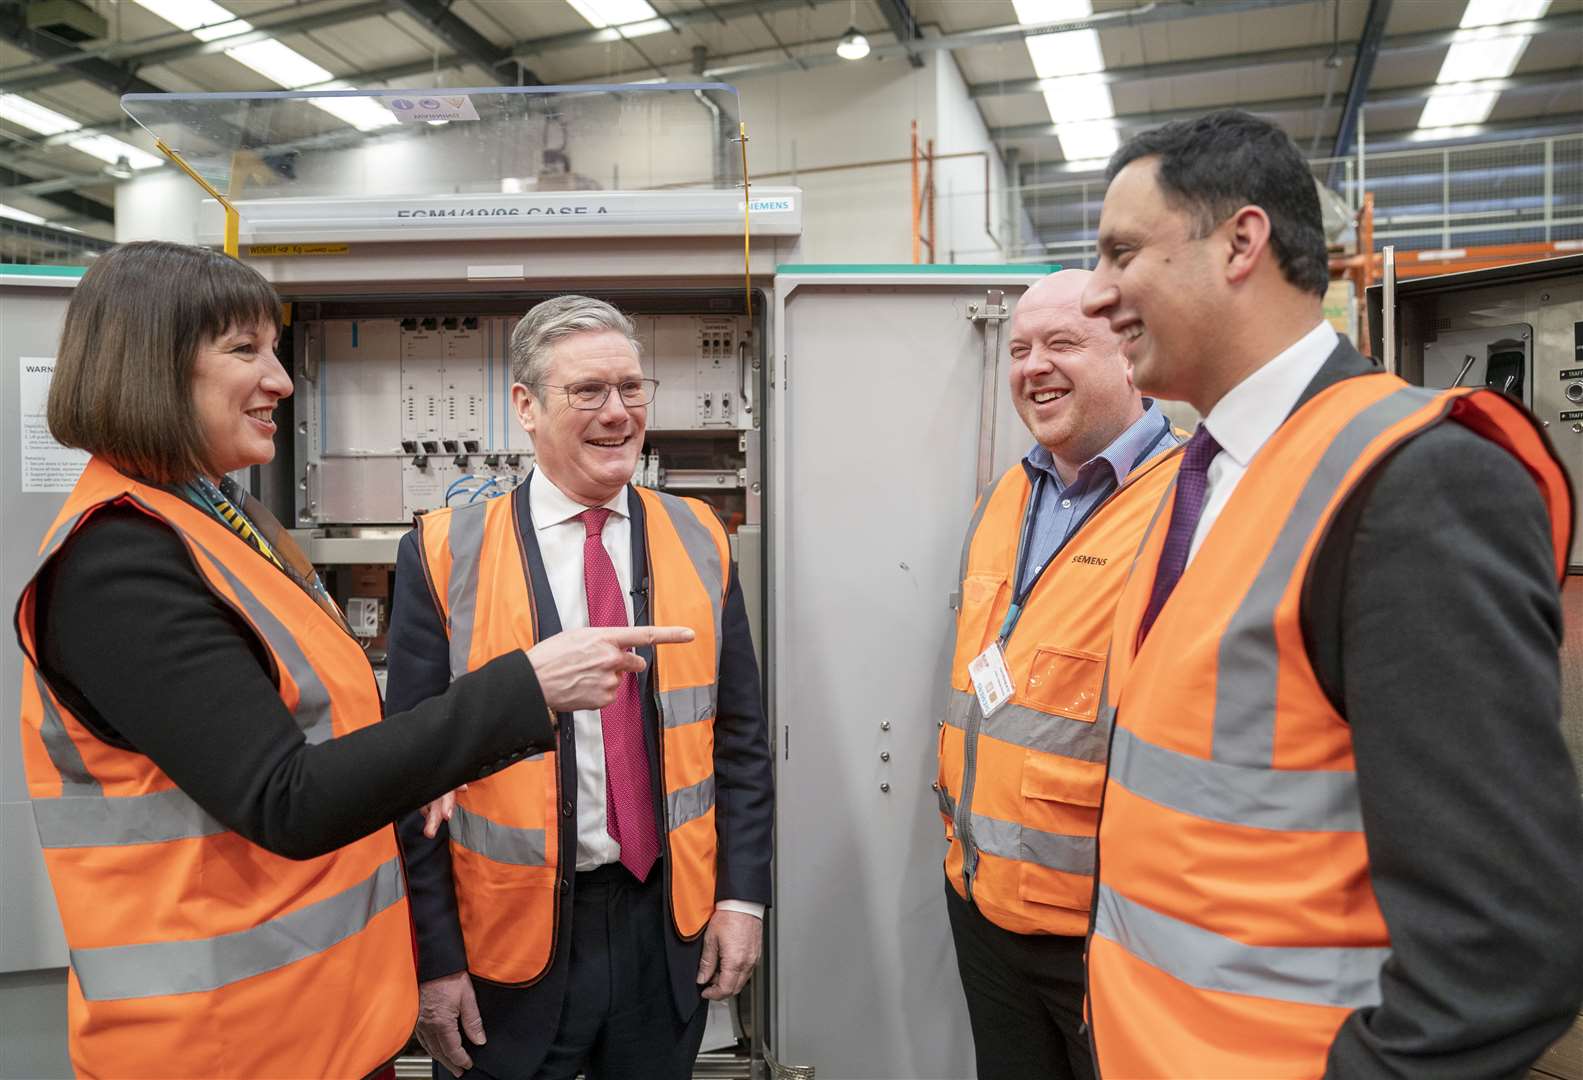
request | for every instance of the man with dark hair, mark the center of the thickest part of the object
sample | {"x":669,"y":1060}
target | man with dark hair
{"x":1340,"y":832}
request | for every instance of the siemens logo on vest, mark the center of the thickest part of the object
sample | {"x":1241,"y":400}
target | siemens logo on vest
{"x":1090,"y":560}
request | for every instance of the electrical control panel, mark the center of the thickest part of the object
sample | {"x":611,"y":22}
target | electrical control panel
{"x":404,"y":412}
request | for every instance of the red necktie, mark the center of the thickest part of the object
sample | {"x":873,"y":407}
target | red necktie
{"x":629,"y":800}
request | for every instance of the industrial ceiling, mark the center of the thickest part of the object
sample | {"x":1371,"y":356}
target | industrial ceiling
{"x":1321,"y":68}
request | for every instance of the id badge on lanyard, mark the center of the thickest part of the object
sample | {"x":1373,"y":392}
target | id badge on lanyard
{"x":991,"y":678}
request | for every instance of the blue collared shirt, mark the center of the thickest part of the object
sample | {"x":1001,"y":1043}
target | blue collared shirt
{"x":1061,"y":509}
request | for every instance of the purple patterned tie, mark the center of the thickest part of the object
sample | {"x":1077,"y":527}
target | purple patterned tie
{"x":1191,"y":482}
{"x":629,"y":801}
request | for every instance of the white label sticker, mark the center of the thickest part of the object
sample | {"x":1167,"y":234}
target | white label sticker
{"x":46,"y":464}
{"x":439,"y":108}
{"x":991,"y":680}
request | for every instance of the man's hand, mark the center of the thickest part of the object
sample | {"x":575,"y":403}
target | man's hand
{"x":443,"y":1004}
{"x":582,"y":669}
{"x":731,"y":949}
{"x":439,"y":810}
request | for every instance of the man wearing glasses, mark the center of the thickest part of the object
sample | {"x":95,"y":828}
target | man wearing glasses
{"x":567,"y":914}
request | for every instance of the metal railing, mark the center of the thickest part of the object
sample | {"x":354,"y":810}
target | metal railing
{"x":1499,"y":193}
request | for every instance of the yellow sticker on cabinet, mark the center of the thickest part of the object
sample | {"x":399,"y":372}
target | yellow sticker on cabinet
{"x":263,"y":250}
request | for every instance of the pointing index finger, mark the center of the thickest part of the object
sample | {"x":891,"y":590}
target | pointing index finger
{"x":626,"y":637}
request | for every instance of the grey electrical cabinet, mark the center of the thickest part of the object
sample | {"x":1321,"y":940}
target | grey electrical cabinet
{"x":873,"y":453}
{"x":32,"y":947}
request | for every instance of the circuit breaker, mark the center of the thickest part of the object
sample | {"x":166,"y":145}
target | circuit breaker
{"x":403,"y":413}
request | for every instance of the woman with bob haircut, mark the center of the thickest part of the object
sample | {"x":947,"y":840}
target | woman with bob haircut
{"x":212,"y":786}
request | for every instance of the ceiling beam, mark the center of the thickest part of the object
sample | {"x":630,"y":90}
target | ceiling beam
{"x":438,"y":18}
{"x":67,"y":200}
{"x":1212,"y":65}
{"x":100,"y":72}
{"x":1362,"y":72}
{"x":1560,"y":79}
{"x":902,"y":23}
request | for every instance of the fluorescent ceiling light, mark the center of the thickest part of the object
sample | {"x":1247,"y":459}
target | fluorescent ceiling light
{"x":279,"y":64}
{"x":1079,"y":97}
{"x":1091,"y":139}
{"x":603,"y":13}
{"x":1481,"y":58}
{"x":365,"y":114}
{"x":1456,"y":108}
{"x":1079,"y":104}
{"x":1483,"y":49}
{"x":19,"y":110}
{"x":110,"y":150}
{"x":21,"y":215}
{"x":1032,"y":12}
{"x":206,"y":20}
{"x":30,"y":114}
{"x":1075,"y":52}
{"x":1490,"y":12}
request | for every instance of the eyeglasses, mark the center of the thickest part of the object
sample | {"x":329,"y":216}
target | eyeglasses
{"x":593,"y":393}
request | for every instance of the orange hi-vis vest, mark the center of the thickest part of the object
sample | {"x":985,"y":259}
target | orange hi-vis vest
{"x":194,"y":952}
{"x":1235,"y":924}
{"x":1019,"y":790}
{"x":505,"y":850}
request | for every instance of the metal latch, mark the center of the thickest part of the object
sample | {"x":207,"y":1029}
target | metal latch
{"x":990,"y":314}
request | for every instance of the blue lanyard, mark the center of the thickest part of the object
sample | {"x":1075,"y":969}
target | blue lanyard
{"x":1018,"y":599}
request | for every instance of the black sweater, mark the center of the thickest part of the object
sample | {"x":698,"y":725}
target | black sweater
{"x":139,"y":649}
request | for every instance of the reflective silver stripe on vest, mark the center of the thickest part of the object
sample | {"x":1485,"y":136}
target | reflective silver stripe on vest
{"x":492,"y":840}
{"x":1249,"y":660}
{"x":75,"y":779}
{"x":700,"y":545}
{"x":1289,"y":800}
{"x":1030,"y":728}
{"x":972,"y":531}
{"x":466,"y":542}
{"x":1009,"y":840}
{"x":690,"y":803}
{"x":313,"y":699}
{"x":100,"y":821}
{"x":688,"y":705}
{"x":947,"y":804}
{"x":58,"y":537}
{"x":161,"y":968}
{"x":1340,"y":977}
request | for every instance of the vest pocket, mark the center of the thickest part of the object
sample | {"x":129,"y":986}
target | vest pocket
{"x":980,"y":598}
{"x":1065,"y":682}
{"x":1053,"y":778}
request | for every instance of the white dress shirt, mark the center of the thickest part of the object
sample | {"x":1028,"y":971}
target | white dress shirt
{"x":1243,"y":421}
{"x":561,"y":535}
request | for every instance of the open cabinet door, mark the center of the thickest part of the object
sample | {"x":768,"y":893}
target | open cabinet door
{"x":873,"y":454}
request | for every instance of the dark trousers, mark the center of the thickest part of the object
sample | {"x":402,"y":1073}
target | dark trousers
{"x":619,"y":1019}
{"x":1024,"y":998}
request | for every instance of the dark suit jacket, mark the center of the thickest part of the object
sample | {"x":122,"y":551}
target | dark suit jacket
{"x":1433,"y":621}
{"x":520,"y":1022}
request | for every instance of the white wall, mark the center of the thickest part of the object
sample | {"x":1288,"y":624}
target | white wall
{"x":959,"y":183}
{"x":839,"y":114}
{"x":162,"y":205}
